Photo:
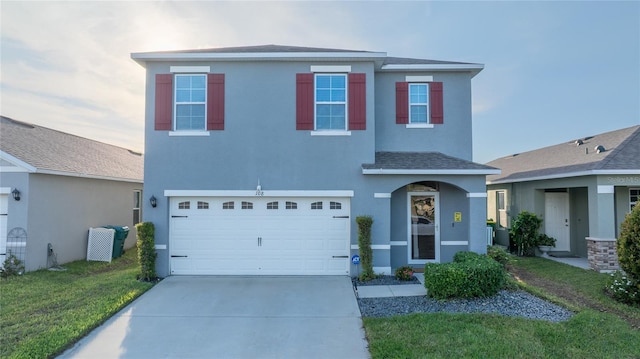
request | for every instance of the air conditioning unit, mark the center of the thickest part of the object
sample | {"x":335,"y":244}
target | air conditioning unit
{"x":100,"y":245}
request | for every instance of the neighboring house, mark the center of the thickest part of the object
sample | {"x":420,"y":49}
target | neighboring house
{"x":63,"y":185}
{"x":261,"y":158}
{"x":582,"y":189}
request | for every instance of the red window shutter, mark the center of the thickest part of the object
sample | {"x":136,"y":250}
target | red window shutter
{"x":304,"y":101}
{"x":357,"y":101}
{"x":402,"y":102}
{"x":436,"y":102}
{"x":164,"y":102}
{"x":215,"y":102}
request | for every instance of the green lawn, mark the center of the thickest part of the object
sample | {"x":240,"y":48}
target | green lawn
{"x":591,"y":333}
{"x":44,"y":312}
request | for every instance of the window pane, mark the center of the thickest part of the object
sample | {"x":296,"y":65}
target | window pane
{"x":418,"y":114}
{"x":183,"y":82}
{"x":338,"y":81}
{"x":190,"y":117}
{"x":197,"y":96}
{"x":198,"y":82}
{"x":183,"y":96}
{"x":323,"y":95}
{"x":323,"y":123}
{"x":323,"y":81}
{"x":338,"y":95}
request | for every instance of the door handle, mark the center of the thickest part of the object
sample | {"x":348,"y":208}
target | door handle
{"x":179,"y":216}
{"x":175,"y":256}
{"x":340,"y":256}
{"x":340,"y":216}
{"x":259,"y":241}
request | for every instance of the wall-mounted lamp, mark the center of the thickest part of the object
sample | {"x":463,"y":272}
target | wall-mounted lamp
{"x":16,"y":194}
{"x":153,"y":201}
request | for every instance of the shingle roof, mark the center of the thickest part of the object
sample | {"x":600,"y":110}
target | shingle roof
{"x":432,"y":161}
{"x":410,"y":61}
{"x":261,"y":49}
{"x":52,"y":151}
{"x":622,"y":153}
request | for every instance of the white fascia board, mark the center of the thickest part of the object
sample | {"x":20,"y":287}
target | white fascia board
{"x":568,"y":175}
{"x":200,"y":56}
{"x":380,"y":171}
{"x":17,"y":162}
{"x":264,"y":193}
{"x":433,"y":67}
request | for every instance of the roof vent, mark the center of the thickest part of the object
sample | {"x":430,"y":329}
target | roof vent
{"x":578,"y":142}
{"x":599,"y":148}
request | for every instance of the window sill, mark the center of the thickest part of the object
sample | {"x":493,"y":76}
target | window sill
{"x":189,"y":133}
{"x":330,"y":133}
{"x":419,"y":125}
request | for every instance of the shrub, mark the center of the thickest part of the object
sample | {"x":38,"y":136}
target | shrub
{"x":623,"y":288}
{"x":12,"y":266}
{"x":404,"y":273}
{"x":498,"y":254}
{"x":146,"y":251}
{"x":470,"y":275}
{"x":364,"y":244}
{"x":628,"y":244}
{"x":524,"y":232}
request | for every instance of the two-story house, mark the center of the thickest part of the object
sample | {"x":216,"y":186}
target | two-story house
{"x":260,"y":158}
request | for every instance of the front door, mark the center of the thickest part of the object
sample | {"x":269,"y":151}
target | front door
{"x":556,"y":219}
{"x":424,"y":241}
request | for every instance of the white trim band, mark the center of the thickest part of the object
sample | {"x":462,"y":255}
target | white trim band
{"x":374,"y":246}
{"x":568,"y":175}
{"x":189,"y":69}
{"x":382,"y":171}
{"x":160,"y":246}
{"x":188,"y":133}
{"x":606,"y":189}
{"x":419,"y":125}
{"x":477,"y":195}
{"x":5,"y":190}
{"x":330,"y":133}
{"x":454,"y":243}
{"x":252,"y":193}
{"x":398,"y":243}
{"x":382,"y":195}
{"x":601,"y":239}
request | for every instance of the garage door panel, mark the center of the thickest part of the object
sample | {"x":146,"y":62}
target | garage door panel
{"x":284,"y":238}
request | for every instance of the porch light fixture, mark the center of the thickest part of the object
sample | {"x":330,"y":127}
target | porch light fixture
{"x":153,"y":201}
{"x":16,"y":194}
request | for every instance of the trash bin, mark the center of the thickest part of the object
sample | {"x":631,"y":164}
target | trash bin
{"x":118,"y":239}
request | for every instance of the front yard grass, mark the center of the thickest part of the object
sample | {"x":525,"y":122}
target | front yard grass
{"x":602,"y":328}
{"x":43,"y":313}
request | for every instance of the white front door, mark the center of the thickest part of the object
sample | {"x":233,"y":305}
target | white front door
{"x":556,"y":219}
{"x":424,"y":228}
{"x":259,"y":235}
{"x":4,"y":213}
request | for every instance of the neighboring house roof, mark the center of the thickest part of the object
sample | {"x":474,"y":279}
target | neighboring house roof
{"x":423,"y":163}
{"x":578,"y":157}
{"x":43,"y":150}
{"x":284,"y":52}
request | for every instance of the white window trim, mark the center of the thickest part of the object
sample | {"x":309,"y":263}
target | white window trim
{"x":418,"y":78}
{"x":330,"y":133}
{"x":420,"y":125}
{"x":189,"y":69}
{"x":189,"y":133}
{"x":346,"y":105}
{"x":175,"y":103}
{"x":330,"y":69}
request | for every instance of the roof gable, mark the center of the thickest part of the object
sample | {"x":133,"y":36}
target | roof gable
{"x":43,"y":150}
{"x":578,"y":157}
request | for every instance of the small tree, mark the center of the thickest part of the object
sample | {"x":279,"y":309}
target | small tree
{"x":146,"y":251}
{"x":364,"y":243}
{"x":524,"y":231}
{"x":628,"y":244}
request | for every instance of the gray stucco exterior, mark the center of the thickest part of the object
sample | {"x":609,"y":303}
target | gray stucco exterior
{"x":260,"y":144}
{"x":67,"y":185}
{"x":600,"y":187}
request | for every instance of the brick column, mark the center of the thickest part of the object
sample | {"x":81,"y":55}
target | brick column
{"x":602,"y":254}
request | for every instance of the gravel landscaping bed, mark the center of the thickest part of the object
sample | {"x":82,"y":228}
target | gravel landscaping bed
{"x":510,"y":303}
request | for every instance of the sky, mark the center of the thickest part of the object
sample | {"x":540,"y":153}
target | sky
{"x":553,"y":71}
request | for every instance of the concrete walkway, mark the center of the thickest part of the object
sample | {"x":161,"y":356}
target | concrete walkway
{"x":404,"y":290}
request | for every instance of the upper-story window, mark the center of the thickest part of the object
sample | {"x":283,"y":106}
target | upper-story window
{"x":331,"y":101}
{"x":190,"y":103}
{"x":418,"y":103}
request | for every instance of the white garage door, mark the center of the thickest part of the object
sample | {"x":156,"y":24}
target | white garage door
{"x":259,"y":235}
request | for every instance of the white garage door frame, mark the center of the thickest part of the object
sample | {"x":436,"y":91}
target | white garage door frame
{"x":268,"y":251}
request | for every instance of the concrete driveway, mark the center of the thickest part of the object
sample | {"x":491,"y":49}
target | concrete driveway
{"x":234,"y":317}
